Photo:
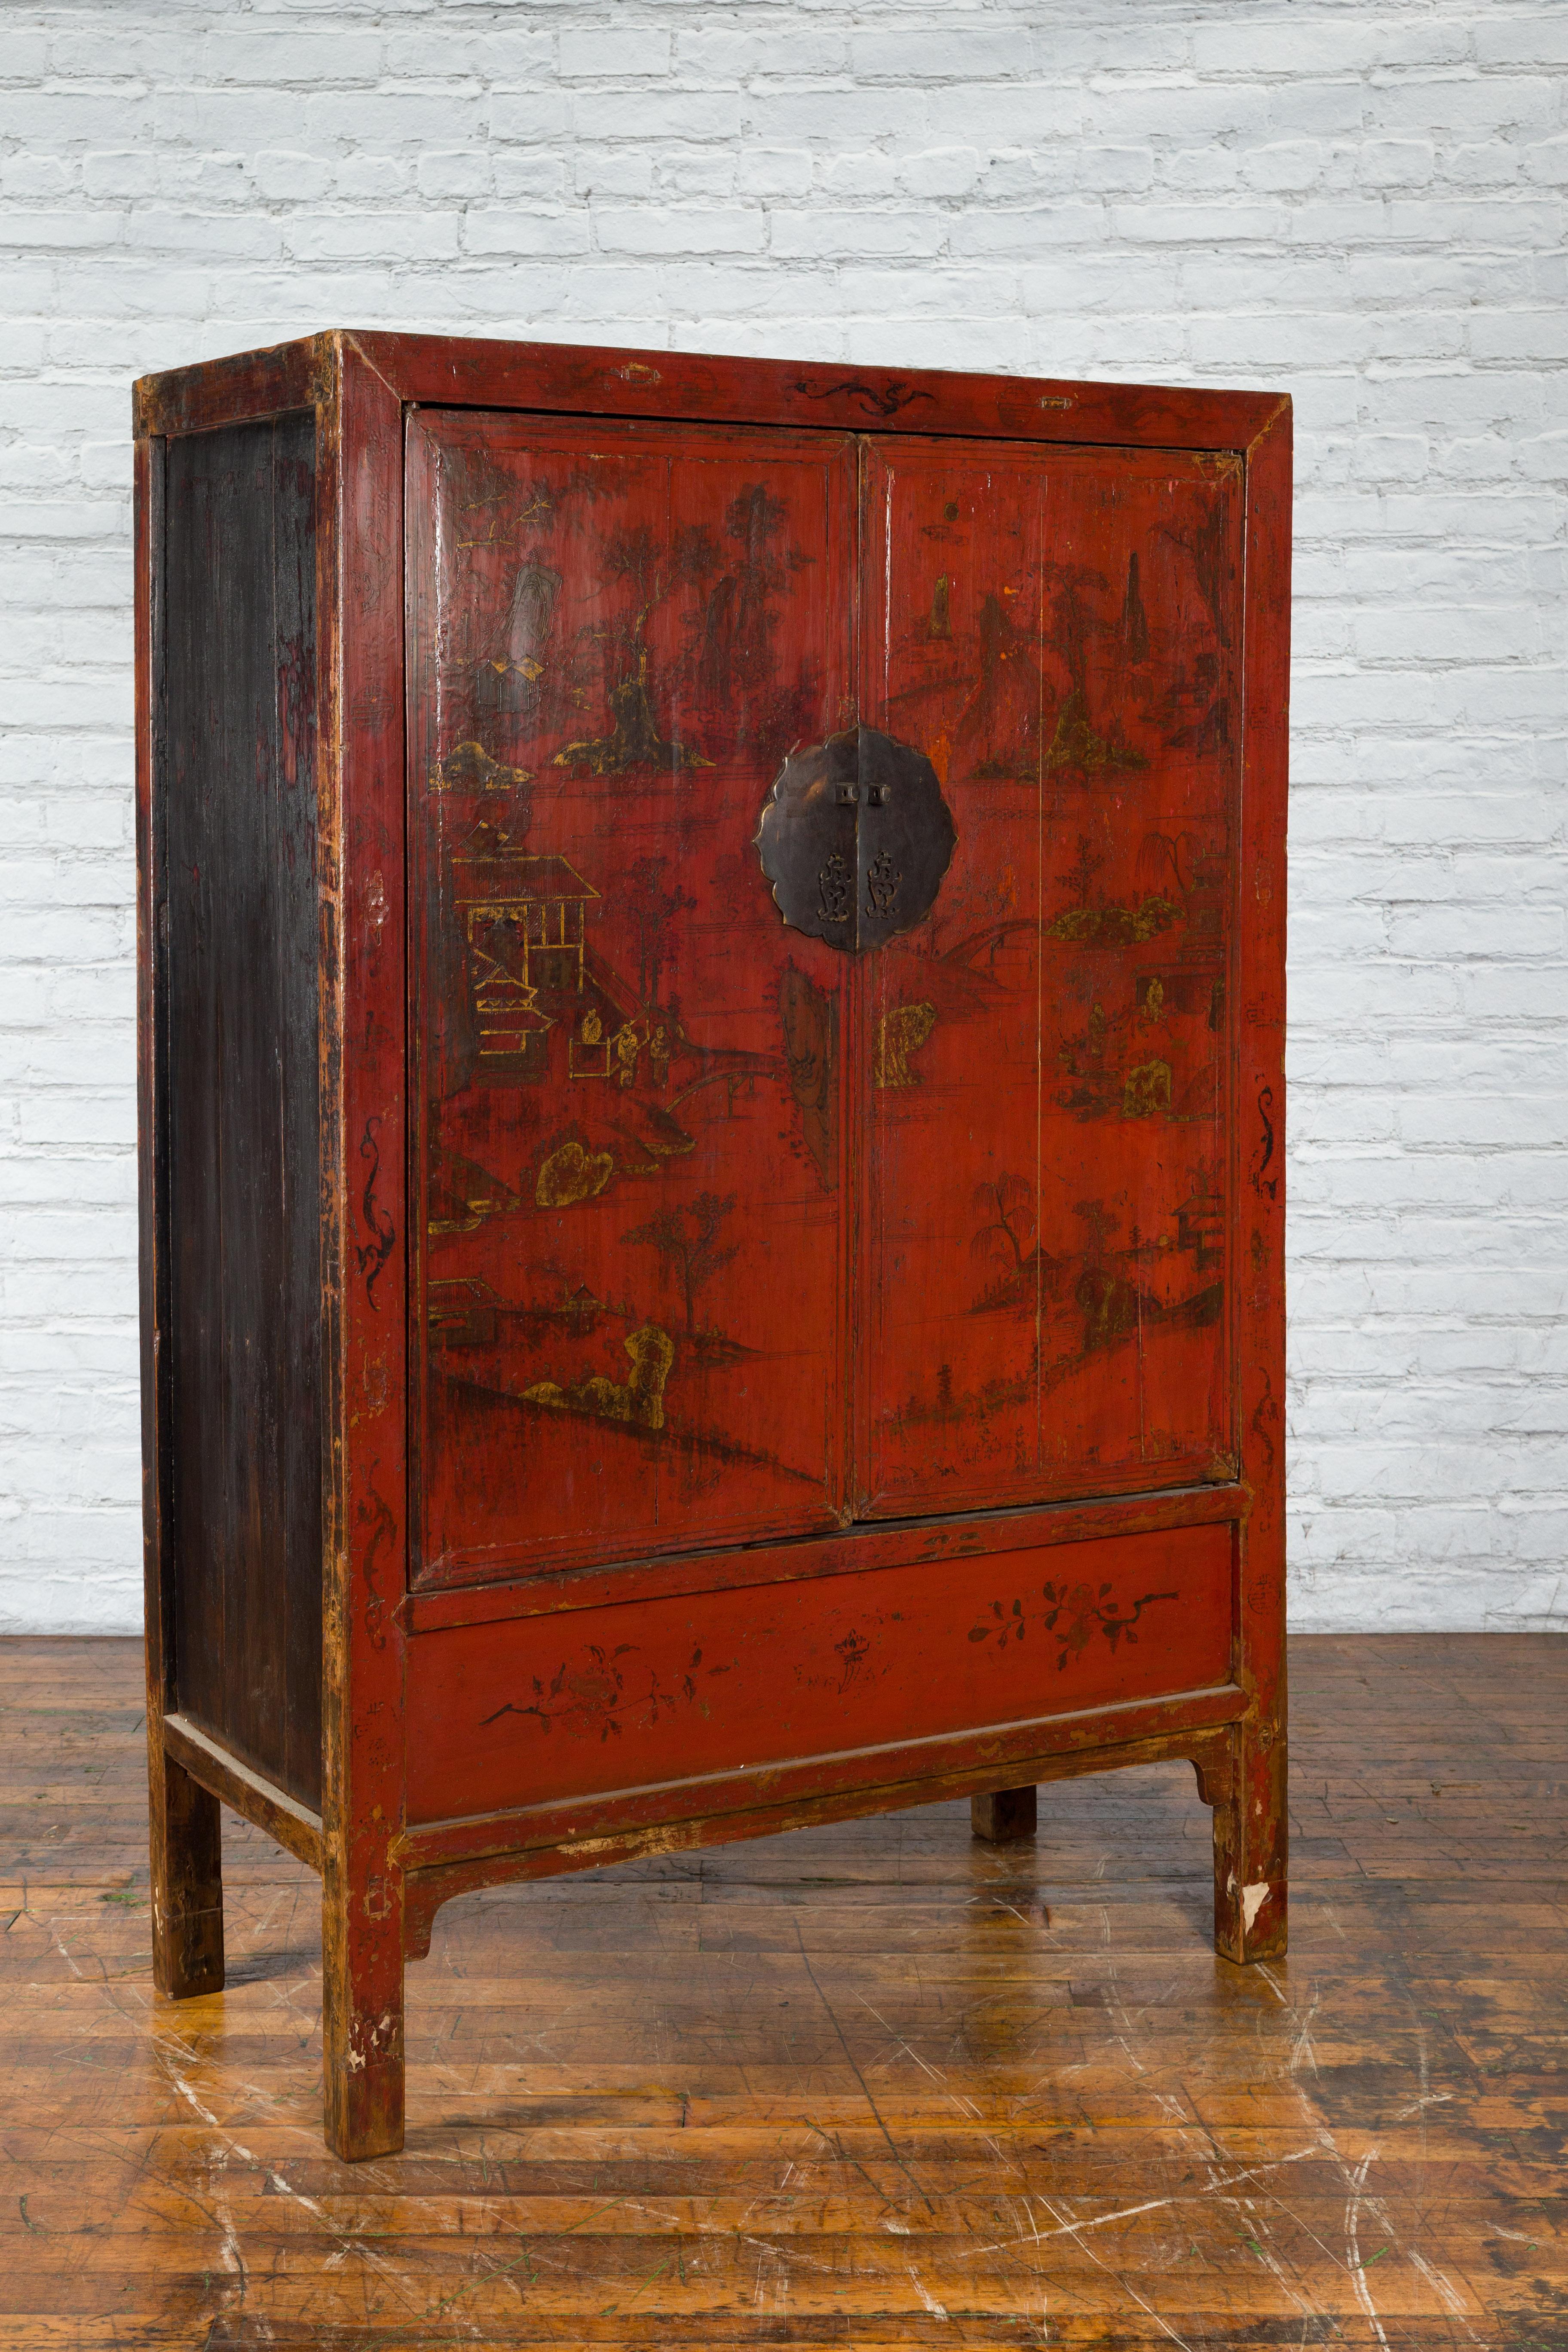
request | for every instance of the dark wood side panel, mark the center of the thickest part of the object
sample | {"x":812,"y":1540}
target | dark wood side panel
{"x":151,"y":1081}
{"x":240,"y":789}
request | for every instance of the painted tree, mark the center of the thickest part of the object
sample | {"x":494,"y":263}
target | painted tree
{"x":652,"y":909}
{"x":686,"y":1242}
{"x":653,"y":567}
{"x":1005,"y":1237}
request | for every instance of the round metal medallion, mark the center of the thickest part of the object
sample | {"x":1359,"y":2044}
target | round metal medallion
{"x":855,"y":837}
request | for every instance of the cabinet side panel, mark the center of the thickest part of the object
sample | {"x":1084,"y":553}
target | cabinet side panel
{"x":244,"y":1113}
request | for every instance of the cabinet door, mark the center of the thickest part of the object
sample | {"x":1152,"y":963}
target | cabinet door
{"x":1049,"y":1176}
{"x":634,"y":1283}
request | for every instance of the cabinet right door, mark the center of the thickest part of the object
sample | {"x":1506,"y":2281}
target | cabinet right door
{"x":1045,"y":1302}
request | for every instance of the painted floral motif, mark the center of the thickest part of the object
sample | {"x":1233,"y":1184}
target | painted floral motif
{"x":590,"y":1699}
{"x":1073,"y":1614}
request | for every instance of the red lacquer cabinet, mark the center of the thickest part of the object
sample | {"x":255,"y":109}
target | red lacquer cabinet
{"x":712,"y":1010}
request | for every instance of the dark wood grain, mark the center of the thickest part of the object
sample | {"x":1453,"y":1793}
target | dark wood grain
{"x":801,"y":2090}
{"x":184,"y":1847}
{"x":234,"y":390}
{"x":197,"y":1758}
{"x":239,"y":885}
{"x":1003,"y":1815}
{"x":186,"y":1844}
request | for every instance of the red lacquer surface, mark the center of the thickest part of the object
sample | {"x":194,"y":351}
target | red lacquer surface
{"x":635,"y":1280}
{"x":598,"y":1699}
{"x":1049,"y":1192}
{"x":649,"y":1316}
{"x":706,"y":1239}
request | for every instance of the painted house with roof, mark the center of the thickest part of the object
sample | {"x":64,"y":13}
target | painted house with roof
{"x":542,"y":1003}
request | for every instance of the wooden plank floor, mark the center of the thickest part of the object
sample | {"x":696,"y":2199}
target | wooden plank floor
{"x":866,"y":2085}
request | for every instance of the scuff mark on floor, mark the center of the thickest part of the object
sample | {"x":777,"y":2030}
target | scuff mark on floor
{"x":1152,"y":2205}
{"x":1353,"y":2262}
{"x":937,"y":2310}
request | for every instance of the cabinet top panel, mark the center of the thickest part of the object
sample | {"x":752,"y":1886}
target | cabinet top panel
{"x":584,"y":379}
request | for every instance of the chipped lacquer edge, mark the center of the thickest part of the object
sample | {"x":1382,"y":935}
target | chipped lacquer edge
{"x":1251,"y":1860}
{"x":364,"y":1258}
{"x":450,"y":1858}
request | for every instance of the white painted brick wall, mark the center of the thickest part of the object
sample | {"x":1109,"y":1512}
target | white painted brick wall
{"x":1360,"y":203}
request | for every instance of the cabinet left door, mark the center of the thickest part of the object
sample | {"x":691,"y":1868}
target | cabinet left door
{"x":630,"y":1209}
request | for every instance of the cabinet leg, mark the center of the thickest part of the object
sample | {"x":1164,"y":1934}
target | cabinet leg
{"x":186,"y":1845}
{"x":1004,"y":1816}
{"x":361,"y":2015}
{"x":1251,"y":1875}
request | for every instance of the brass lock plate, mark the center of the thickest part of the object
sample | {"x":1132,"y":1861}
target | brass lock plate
{"x":856,"y":837}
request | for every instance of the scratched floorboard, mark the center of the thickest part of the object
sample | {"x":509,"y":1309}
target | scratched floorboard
{"x":866,"y":2085}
